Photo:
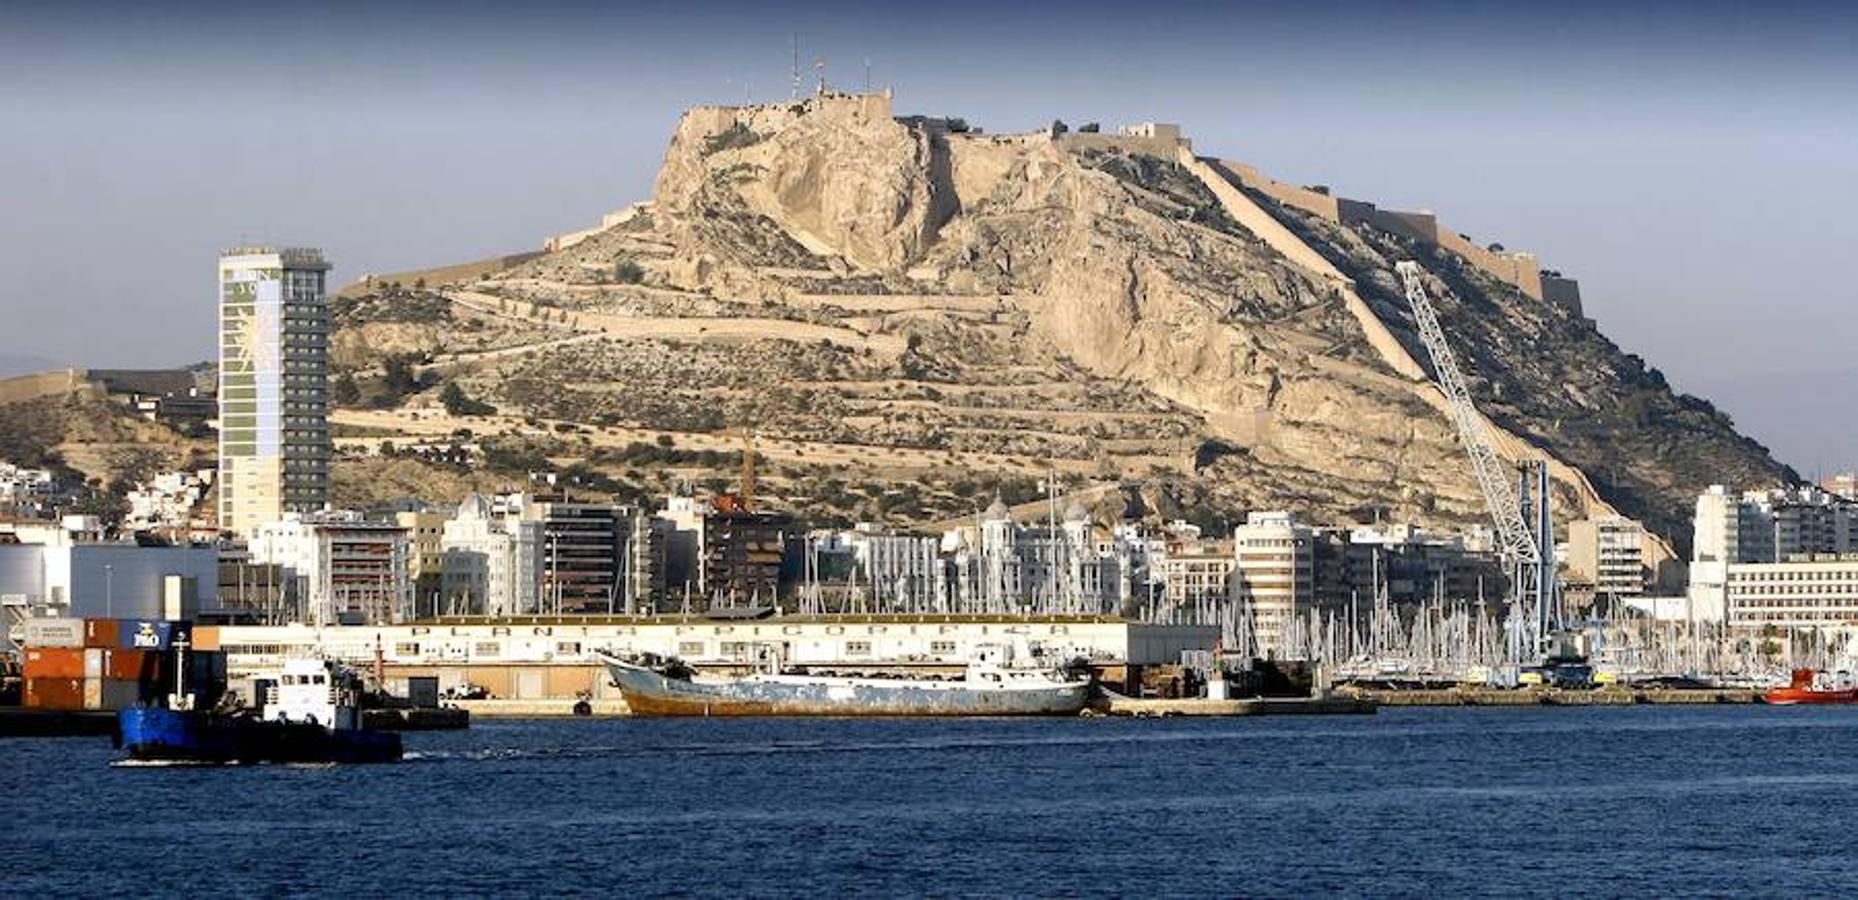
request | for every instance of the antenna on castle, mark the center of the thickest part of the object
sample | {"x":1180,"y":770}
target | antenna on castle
{"x":796,"y":94}
{"x":819,"y":65}
{"x":867,"y":74}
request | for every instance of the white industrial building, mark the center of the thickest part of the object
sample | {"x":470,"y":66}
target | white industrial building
{"x":109,"y":580}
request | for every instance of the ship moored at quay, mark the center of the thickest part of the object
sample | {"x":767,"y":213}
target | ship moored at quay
{"x":1001,"y":680}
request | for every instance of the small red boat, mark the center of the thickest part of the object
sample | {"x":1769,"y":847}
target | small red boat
{"x":1809,"y":686}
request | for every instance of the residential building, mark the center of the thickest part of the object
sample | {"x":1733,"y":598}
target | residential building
{"x":169,"y":504}
{"x":1197,"y":580}
{"x":274,"y":442}
{"x":743,"y":552}
{"x":1808,"y":591}
{"x":1409,"y":565}
{"x":883,"y":572}
{"x":1273,"y":574}
{"x":1001,"y":565}
{"x":347,"y":569}
{"x":1761,"y":527}
{"x":1608,"y":553}
{"x":425,"y":532}
{"x":490,"y":563}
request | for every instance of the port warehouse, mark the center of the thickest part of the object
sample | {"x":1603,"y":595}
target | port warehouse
{"x":553,"y":657}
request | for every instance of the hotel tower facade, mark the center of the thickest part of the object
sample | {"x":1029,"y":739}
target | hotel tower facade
{"x":273,"y":385}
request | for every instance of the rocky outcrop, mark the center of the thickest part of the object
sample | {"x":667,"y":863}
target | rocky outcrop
{"x":1132,"y":311}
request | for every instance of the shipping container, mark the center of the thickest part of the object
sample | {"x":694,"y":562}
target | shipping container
{"x":54,"y":662}
{"x":146,"y":635}
{"x":206,"y":637}
{"x":93,"y":693}
{"x":54,"y":693}
{"x":54,"y":632}
{"x":137,"y":665}
{"x":119,"y":694}
{"x":102,"y":632}
{"x":93,"y":662}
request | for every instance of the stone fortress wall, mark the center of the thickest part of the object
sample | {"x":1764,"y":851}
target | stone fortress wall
{"x":1518,"y":269}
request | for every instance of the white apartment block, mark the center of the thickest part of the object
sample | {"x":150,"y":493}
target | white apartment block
{"x":1273,"y":574}
{"x":348,"y":570}
{"x":490,"y":564}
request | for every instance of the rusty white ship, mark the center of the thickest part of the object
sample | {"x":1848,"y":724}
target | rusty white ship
{"x":992,"y":685}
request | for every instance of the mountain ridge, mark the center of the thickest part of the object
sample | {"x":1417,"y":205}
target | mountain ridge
{"x":831,"y":275}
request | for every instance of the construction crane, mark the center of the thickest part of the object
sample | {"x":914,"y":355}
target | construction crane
{"x":748,"y":470}
{"x":743,"y":501}
{"x":1520,"y":543}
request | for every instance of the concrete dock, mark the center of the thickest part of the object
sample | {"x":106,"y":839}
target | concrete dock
{"x":540,"y":709}
{"x":1553,"y":696}
{"x":1118,"y":705}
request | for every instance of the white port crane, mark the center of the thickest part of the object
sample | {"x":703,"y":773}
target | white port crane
{"x":1518,"y":540}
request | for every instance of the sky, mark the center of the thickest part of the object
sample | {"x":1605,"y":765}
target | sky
{"x":1694,"y":165}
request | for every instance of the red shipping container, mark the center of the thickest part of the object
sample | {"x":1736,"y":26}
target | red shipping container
{"x":101,"y":632}
{"x":54,"y":662}
{"x":134,"y":665}
{"x":55,"y":693}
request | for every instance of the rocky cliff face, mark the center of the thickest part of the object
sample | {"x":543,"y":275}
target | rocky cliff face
{"x":898,"y":302}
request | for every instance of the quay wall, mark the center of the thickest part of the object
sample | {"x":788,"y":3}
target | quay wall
{"x":1553,"y":697}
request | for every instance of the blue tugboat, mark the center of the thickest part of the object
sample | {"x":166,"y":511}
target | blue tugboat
{"x":311,"y":715}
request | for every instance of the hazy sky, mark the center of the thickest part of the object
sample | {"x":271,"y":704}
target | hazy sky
{"x":1695,"y":165}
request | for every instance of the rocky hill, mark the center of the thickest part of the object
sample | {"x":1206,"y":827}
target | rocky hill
{"x":911,"y":316}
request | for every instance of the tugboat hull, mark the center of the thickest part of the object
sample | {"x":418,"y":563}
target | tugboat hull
{"x":175,"y":736}
{"x":650,"y":693}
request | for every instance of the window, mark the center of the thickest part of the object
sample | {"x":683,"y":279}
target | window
{"x":407,"y":648}
{"x":857,"y":648}
{"x":487,"y":648}
{"x":690,"y":648}
{"x":942,"y":647}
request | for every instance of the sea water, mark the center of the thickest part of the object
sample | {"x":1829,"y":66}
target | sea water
{"x":1415,"y":802}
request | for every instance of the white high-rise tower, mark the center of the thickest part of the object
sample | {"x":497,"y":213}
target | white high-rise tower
{"x":273,"y":385}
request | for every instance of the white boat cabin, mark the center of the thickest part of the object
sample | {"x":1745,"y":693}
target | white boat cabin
{"x":314,"y":691}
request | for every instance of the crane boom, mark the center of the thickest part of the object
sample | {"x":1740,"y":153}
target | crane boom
{"x":1493,"y":476}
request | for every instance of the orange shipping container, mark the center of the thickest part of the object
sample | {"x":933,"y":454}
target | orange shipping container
{"x":55,"y":693}
{"x":206,"y":637}
{"x":101,"y":632}
{"x":54,"y":662}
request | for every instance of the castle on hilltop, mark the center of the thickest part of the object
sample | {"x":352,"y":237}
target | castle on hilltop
{"x":1159,"y":139}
